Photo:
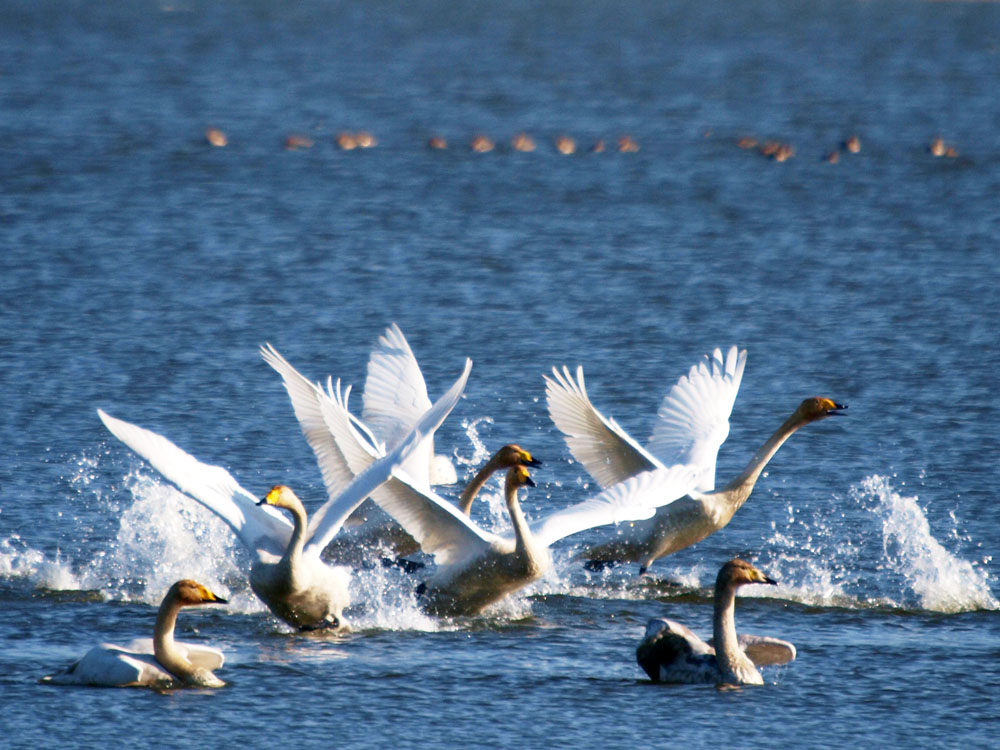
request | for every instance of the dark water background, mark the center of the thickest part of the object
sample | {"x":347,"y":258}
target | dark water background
{"x":140,"y":269}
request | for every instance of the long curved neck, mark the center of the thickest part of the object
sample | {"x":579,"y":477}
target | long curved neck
{"x":740,"y":488}
{"x":164,"y":648}
{"x":474,"y":486}
{"x":728,"y":654}
{"x":300,"y":523}
{"x":521,"y":531}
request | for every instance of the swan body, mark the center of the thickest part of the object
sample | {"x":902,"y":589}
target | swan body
{"x":338,"y":465}
{"x":671,"y":652}
{"x":692,"y":424}
{"x":475,"y":567}
{"x":286,"y":572}
{"x":157,"y":662}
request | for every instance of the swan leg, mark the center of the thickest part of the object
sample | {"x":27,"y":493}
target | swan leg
{"x":407,"y":566}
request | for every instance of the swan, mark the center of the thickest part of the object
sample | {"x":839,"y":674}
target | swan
{"x":670,"y":652}
{"x":286,"y":573}
{"x":160,"y":662}
{"x":475,"y":567}
{"x":335,"y":466}
{"x":693,"y":422}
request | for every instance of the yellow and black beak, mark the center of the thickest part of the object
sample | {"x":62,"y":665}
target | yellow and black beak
{"x":837,"y":409}
{"x":532,"y":462}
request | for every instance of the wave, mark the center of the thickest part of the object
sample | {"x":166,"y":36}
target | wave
{"x":876,"y":549}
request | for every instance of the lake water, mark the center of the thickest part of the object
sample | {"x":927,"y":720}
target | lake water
{"x":140,"y":269}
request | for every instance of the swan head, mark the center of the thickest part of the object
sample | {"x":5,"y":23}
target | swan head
{"x":518,"y":477}
{"x":738,"y":572}
{"x":190,"y":593}
{"x":281,"y":496}
{"x":514,"y":455}
{"x":819,"y":407}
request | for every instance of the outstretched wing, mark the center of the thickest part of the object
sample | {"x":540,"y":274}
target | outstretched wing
{"x":606,"y":451}
{"x":259,"y":528}
{"x":439,"y":526}
{"x":395,"y":398}
{"x":330,"y":517}
{"x":305,"y":396}
{"x":634,"y":499}
{"x":693,"y":419}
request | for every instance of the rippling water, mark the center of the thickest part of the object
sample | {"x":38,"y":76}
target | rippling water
{"x":140,"y":269}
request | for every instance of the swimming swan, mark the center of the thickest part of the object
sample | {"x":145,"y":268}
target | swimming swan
{"x":160,"y":662}
{"x":693,"y":422}
{"x":336,"y":466}
{"x":286,"y":571}
{"x":670,"y":652}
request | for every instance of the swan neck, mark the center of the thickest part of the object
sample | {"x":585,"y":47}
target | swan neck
{"x":164,"y":648}
{"x":521,"y":531}
{"x":727,"y":649}
{"x":744,"y":483}
{"x":300,"y":523}
{"x":475,"y":485}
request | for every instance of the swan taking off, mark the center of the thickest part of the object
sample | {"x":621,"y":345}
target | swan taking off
{"x":286,"y":570}
{"x":670,"y":652}
{"x":160,"y":662}
{"x":692,"y":423}
{"x":475,"y":567}
{"x":387,"y":374}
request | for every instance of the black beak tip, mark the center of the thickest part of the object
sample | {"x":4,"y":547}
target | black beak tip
{"x":262,"y":501}
{"x":220,"y":600}
{"x":838,"y":409}
{"x":530,"y":482}
{"x":534,"y":463}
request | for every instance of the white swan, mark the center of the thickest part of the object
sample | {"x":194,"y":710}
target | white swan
{"x":336,"y":468}
{"x":693,"y":422}
{"x":286,"y":572}
{"x":157,"y":662}
{"x":476,"y":567}
{"x":670,"y":652}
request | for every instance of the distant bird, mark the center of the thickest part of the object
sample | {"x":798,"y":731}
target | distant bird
{"x":364,"y":139}
{"x":437,"y":142}
{"x":598,"y":147}
{"x":693,"y":422}
{"x":481,"y":144}
{"x":287,"y":572}
{"x":937,"y":147}
{"x":852,"y":145}
{"x":216,"y":137}
{"x":627,"y":145}
{"x":296,"y":142}
{"x":565,"y":145}
{"x":523,"y":142}
{"x":832,"y":157}
{"x":671,"y":652}
{"x":157,"y":662}
{"x":346,"y":141}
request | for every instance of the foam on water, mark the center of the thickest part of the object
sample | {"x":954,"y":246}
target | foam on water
{"x":878,"y":550}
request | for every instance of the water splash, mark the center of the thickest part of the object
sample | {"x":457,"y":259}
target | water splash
{"x":877,"y":549}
